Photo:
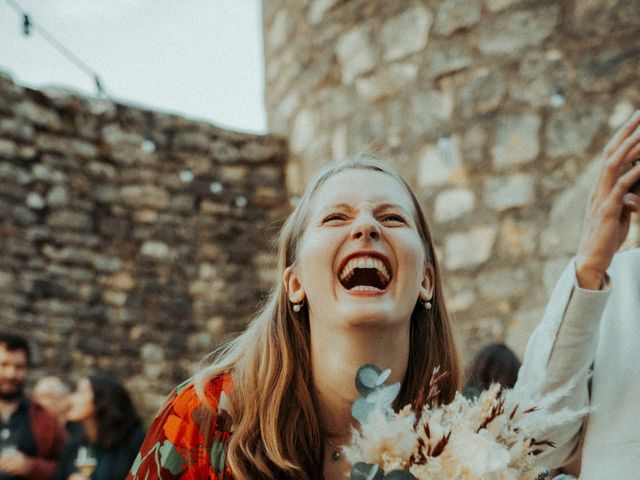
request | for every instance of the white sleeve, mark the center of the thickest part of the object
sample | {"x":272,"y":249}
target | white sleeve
{"x":560,"y":352}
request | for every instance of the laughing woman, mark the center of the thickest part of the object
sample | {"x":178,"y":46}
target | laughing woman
{"x":360,"y":284}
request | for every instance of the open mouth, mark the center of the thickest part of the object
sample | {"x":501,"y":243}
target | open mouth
{"x":365,"y":273}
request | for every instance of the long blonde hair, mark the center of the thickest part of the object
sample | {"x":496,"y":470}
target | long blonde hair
{"x":276,"y":429}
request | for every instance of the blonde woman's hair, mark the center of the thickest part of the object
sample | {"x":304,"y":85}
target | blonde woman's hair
{"x":276,"y":431}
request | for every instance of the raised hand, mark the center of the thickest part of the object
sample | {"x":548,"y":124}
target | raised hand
{"x":610,"y":206}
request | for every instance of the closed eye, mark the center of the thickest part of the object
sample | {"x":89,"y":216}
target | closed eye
{"x":393,"y":218}
{"x":334,"y":217}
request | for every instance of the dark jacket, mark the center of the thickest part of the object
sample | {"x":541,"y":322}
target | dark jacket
{"x":113,"y":464}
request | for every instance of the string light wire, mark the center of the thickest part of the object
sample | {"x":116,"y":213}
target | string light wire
{"x":28,"y":25}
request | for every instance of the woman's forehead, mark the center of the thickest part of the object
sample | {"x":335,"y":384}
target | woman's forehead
{"x":355,"y":186}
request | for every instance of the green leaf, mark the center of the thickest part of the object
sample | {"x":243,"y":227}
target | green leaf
{"x":384,"y":396}
{"x":366,"y":378}
{"x":361,"y":409}
{"x":217,"y":457}
{"x":383,"y":377}
{"x":399,"y":475}
{"x":171,"y":459}
{"x":366,"y":471}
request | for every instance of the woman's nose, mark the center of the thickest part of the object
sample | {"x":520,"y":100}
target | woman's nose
{"x":366,"y":227}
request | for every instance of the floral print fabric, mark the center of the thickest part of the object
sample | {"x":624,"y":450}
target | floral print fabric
{"x":187,"y":439}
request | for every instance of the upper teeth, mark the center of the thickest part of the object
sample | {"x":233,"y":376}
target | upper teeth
{"x":364,"y":262}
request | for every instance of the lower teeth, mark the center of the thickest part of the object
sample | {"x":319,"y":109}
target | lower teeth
{"x":365,"y":288}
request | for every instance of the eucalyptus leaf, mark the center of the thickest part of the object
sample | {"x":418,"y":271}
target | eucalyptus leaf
{"x":383,"y":377}
{"x":384,"y":396}
{"x":399,"y":475}
{"x":366,"y":471}
{"x":366,"y":378}
{"x":361,"y":409}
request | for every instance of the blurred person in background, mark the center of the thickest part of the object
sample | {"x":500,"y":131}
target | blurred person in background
{"x":112,"y":431}
{"x":53,"y":394}
{"x":30,"y":437}
{"x":494,"y":363}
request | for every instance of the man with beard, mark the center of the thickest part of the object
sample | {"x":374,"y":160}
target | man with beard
{"x":31,"y":438}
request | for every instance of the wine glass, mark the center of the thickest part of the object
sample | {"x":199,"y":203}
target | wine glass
{"x":85,"y":461}
{"x":6,"y":443}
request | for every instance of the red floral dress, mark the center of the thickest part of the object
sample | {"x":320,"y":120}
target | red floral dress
{"x":187,"y":440}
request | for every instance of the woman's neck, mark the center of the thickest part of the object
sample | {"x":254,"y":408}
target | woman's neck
{"x":336,"y":357}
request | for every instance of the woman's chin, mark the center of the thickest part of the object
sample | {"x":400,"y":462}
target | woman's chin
{"x":372,"y":317}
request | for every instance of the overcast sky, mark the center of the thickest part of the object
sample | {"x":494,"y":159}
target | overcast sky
{"x":198,"y":58}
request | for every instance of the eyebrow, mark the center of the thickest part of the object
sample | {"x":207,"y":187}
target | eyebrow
{"x":382,"y":206}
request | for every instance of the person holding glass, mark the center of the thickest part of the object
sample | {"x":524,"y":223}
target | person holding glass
{"x":360,"y":284}
{"x":30,"y":437}
{"x":112,"y":431}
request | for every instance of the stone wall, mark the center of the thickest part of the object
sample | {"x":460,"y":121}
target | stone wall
{"x":494,"y":110}
{"x":131,"y":241}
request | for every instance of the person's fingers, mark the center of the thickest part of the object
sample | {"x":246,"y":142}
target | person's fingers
{"x":622,"y":186}
{"x":631,"y":201}
{"x":624,"y":131}
{"x":621,"y":155}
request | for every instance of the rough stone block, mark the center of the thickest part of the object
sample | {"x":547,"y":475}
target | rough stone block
{"x":405,"y":33}
{"x":469,"y":249}
{"x":606,"y":68}
{"x":113,"y":134}
{"x":121,"y":281}
{"x":482,"y":93}
{"x":503,"y":193}
{"x":454,"y":15}
{"x":70,"y":220}
{"x":38,"y":115}
{"x":157,"y":250}
{"x":516,"y":140}
{"x":48,"y":173}
{"x":305,"y":128}
{"x":497,"y":5}
{"x":145,"y":196}
{"x":447,"y":57}
{"x":542,"y":75}
{"x":430,"y":111}
{"x":571,"y":131}
{"x":601,"y":17}
{"x":473,"y":145}
{"x":355,"y":53}
{"x":35,"y":201}
{"x":278,"y":33}
{"x":461,"y":294}
{"x":452,"y":204}
{"x":17,"y":130}
{"x":503,"y":283}
{"x":518,"y":238}
{"x":441,"y":164}
{"x":318,"y":10}
{"x":387,"y":81}
{"x":8,"y":149}
{"x":512,"y":32}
